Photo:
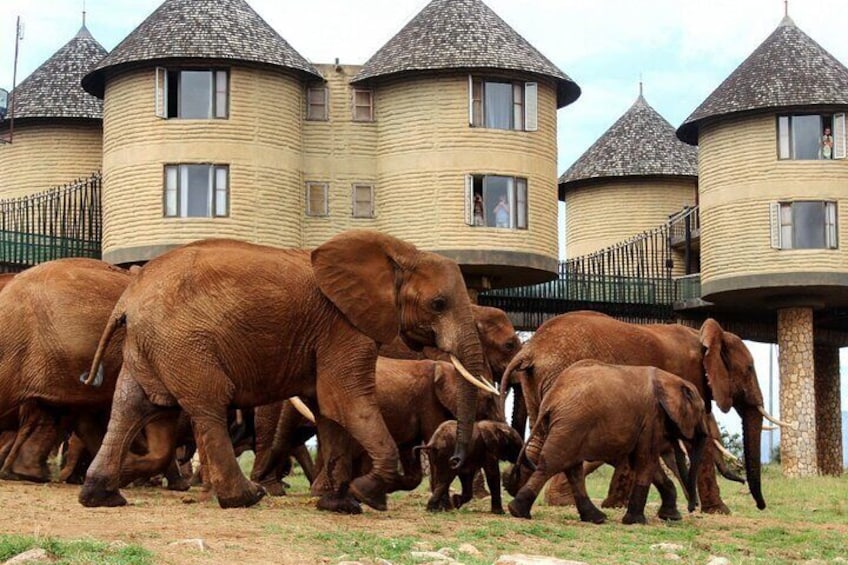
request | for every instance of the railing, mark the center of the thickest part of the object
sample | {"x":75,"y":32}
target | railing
{"x":686,"y":221}
{"x":60,"y":222}
{"x":687,"y":288}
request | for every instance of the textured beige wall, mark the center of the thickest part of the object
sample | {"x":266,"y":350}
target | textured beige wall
{"x":739,"y":174}
{"x":45,"y":155}
{"x":603,"y":214}
{"x":261,"y":142}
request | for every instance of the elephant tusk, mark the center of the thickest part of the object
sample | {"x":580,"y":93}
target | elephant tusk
{"x":480,"y":383}
{"x":301,"y":407}
{"x":770,"y":428}
{"x":768,"y":417}
{"x":724,"y":451}
{"x":682,"y":447}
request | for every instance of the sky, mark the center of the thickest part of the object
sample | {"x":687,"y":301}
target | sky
{"x":680,"y":50}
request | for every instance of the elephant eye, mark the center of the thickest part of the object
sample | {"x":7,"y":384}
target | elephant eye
{"x":509,"y":346}
{"x":439,"y":304}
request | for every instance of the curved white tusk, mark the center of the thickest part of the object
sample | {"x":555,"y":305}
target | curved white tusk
{"x":766,"y":415}
{"x":724,"y":451}
{"x":480,"y":383}
{"x":301,"y":407}
{"x":682,"y":447}
{"x":770,"y":428}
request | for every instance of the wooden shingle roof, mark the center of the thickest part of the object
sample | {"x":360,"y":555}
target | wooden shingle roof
{"x":200,"y":29}
{"x":53,"y":90}
{"x":463,"y":34}
{"x":640,"y":143}
{"x":788,"y":69}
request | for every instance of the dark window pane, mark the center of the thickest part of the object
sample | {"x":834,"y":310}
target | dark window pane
{"x":196,"y":94}
{"x":498,"y":105}
{"x":808,"y":225}
{"x":496,"y":201}
{"x":806,"y":133}
{"x":198,"y":193}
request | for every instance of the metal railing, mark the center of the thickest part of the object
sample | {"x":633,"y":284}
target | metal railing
{"x":688,"y":220}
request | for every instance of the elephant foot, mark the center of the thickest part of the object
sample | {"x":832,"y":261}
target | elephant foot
{"x":341,"y":504}
{"x":633,"y":519}
{"x":23,"y":476}
{"x":180,"y":484}
{"x":274,"y":487}
{"x":497,"y":510}
{"x":457,"y":500}
{"x":592,"y":515}
{"x":95,"y":494}
{"x":249,"y":497}
{"x":72,"y":479}
{"x":368,"y":489}
{"x":613,"y":502}
{"x":669,"y":514}
{"x":714,"y":508}
{"x":521,"y":504}
{"x":440,"y":504}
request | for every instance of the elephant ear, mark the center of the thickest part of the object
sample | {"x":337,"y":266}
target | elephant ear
{"x":359,"y":271}
{"x":680,"y":401}
{"x":712,"y":339}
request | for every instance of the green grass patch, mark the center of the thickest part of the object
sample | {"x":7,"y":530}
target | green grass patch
{"x":77,"y":551}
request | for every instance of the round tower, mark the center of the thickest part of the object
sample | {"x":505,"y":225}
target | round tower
{"x":466,"y":142}
{"x":57,"y":132}
{"x":630,"y":180}
{"x":774,"y":219}
{"x":201,"y":131}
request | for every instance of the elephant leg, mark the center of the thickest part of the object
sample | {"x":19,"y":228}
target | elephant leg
{"x":668,"y":495}
{"x":333,"y":480}
{"x":620,"y":486}
{"x":75,"y":461}
{"x":587,"y":510}
{"x":479,"y":486}
{"x":38,"y":434}
{"x":466,"y":481}
{"x":559,"y":492}
{"x":492,"y":472}
{"x":413,"y":473}
{"x":708,"y":489}
{"x":644,"y":465}
{"x":304,"y":459}
{"x":7,"y":440}
{"x":160,"y":435}
{"x":526,"y":496}
{"x":264,"y":470}
{"x":440,"y":500}
{"x":131,"y":411}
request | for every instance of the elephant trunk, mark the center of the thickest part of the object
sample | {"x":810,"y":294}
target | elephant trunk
{"x":470,"y":354}
{"x":519,"y":410}
{"x":699,"y":442}
{"x":752,"y":425}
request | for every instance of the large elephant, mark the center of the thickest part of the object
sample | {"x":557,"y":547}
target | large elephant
{"x":222,"y":323}
{"x":600,"y":412}
{"x":717,"y":362}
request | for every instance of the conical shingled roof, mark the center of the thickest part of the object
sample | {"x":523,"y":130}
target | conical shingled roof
{"x":463,"y":34}
{"x":200,"y":29}
{"x":640,"y":143}
{"x":53,"y":90}
{"x":788,"y":69}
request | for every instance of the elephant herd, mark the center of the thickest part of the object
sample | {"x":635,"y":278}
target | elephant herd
{"x":373,"y":345}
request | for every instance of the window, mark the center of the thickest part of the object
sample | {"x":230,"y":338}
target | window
{"x":363,"y":200}
{"x":363,"y":105}
{"x":503,"y":104}
{"x":192,"y":94}
{"x":317,"y":199}
{"x":496,"y":201}
{"x":804,"y":224}
{"x":811,"y":136}
{"x":196,"y":190}
{"x":317,"y":98}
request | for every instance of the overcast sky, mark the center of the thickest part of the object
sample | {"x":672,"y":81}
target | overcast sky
{"x":681,"y":49}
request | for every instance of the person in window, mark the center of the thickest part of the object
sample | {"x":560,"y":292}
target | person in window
{"x":501,"y":213}
{"x":826,"y":143}
{"x":479,"y":211}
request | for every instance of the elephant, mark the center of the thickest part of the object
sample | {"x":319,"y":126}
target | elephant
{"x":224,"y":323}
{"x":491,"y":442}
{"x":596,"y":411}
{"x":273,"y":456}
{"x":717,"y":362}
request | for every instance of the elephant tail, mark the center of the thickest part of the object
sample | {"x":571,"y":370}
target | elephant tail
{"x":536,"y":432}
{"x":118,"y":318}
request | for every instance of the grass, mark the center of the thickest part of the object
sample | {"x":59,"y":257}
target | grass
{"x":75,"y":552}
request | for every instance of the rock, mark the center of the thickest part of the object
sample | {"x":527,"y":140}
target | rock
{"x":434,"y":556}
{"x":422,"y":546}
{"x":380,"y":561}
{"x":718,"y":560}
{"x":34,"y":555}
{"x":350,"y":563}
{"x":667,"y":547}
{"x":468,"y":549}
{"x":672,"y":557}
{"x":447,"y":552}
{"x":521,"y":559}
{"x":197,"y":543}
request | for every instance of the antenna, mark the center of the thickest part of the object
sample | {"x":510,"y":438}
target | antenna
{"x":19,"y":35}
{"x":786,"y":8}
{"x":83,"y":13}
{"x":640,"y":85}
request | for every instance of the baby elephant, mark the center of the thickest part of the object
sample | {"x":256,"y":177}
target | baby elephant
{"x":600,"y":412}
{"x":491,"y":442}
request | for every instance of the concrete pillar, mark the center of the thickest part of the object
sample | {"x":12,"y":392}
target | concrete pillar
{"x":797,"y":392}
{"x":828,"y":411}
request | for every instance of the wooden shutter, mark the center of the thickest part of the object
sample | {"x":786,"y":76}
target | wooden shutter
{"x":774,"y":216}
{"x":470,"y":101}
{"x":160,"y":93}
{"x":840,"y":137}
{"x":531,"y":106}
{"x":521,"y":204}
{"x":830,"y":234}
{"x":469,"y":200}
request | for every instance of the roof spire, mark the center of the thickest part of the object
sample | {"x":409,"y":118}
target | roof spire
{"x":83,"y":13}
{"x":640,"y":85}
{"x":786,"y":8}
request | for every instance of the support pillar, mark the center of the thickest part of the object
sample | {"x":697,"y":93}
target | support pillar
{"x":797,"y":392}
{"x":828,"y":411}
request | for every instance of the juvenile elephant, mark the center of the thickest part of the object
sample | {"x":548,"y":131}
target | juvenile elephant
{"x":491,"y":442}
{"x":600,"y":412}
{"x":222,"y":323}
{"x":717,"y":362}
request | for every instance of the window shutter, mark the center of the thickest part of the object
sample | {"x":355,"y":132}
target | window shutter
{"x":160,"y":94}
{"x":774,"y":209}
{"x":470,"y":101}
{"x":830,"y":225}
{"x":840,"y":137}
{"x":531,"y":106}
{"x":469,"y":200}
